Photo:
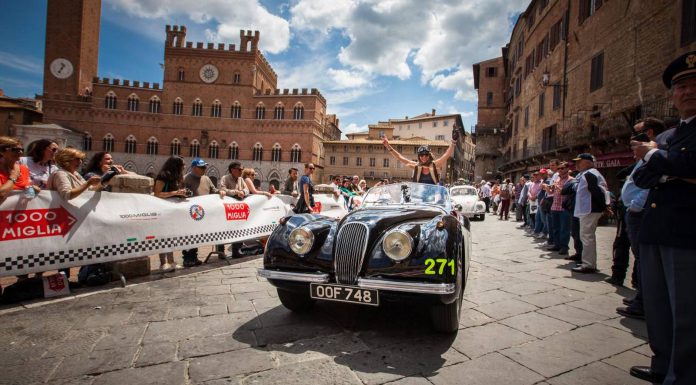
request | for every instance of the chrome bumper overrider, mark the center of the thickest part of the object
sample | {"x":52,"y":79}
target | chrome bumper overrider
{"x":298,"y":277}
{"x":365,"y":283}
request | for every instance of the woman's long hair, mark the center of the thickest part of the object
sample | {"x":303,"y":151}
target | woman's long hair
{"x":172,"y":170}
{"x":94,"y":162}
{"x":37,"y":149}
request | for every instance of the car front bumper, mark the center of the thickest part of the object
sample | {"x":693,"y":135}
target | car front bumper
{"x":365,"y":283}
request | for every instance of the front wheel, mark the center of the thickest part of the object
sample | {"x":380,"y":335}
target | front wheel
{"x":296,"y":302}
{"x":483,"y":217}
{"x":445,"y":318}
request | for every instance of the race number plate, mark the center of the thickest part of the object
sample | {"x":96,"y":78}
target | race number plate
{"x":340,"y":293}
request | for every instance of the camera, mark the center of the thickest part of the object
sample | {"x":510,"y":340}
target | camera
{"x":455,"y":134}
{"x":109,"y":175}
{"x":188,"y":193}
{"x":641,"y":137}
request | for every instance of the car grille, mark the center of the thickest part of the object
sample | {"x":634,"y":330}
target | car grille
{"x":351,"y":244}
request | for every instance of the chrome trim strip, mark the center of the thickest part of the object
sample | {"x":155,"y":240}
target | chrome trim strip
{"x":290,"y":276}
{"x":409,"y":287}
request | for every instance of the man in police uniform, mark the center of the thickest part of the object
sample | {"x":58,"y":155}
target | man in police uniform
{"x":667,"y":235}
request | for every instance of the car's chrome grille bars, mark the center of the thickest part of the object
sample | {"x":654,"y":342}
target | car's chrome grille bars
{"x":351,"y":245}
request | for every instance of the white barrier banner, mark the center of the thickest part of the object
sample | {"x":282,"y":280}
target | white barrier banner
{"x":48,"y":233}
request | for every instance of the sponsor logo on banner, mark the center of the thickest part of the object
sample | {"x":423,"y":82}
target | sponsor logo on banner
{"x":196,"y":212}
{"x":25,"y":224}
{"x":236,"y":211}
{"x":140,"y":216}
{"x":317,"y":207}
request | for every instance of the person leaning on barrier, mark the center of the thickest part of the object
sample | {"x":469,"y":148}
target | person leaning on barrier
{"x":248,"y":175}
{"x":667,"y":241}
{"x":102,"y":165}
{"x":14,"y":176}
{"x":40,"y":161}
{"x":67,"y":181}
{"x":169,"y":183}
{"x":233,"y":184}
{"x":199,"y":184}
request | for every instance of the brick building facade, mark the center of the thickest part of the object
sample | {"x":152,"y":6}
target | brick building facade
{"x":218,"y":102}
{"x":489,"y":81}
{"x":363,"y":154}
{"x":578,"y":74}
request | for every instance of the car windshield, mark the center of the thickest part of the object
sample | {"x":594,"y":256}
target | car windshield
{"x":408,"y":193}
{"x":457,"y":192}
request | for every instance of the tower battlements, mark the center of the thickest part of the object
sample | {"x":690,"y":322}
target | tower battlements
{"x":126,"y":83}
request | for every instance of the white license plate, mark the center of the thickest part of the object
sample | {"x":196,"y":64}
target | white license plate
{"x":341,"y":293}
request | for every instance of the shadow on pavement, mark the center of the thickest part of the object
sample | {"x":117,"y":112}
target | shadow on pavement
{"x":391,"y":340}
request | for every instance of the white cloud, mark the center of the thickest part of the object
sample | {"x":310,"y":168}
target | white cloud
{"x":348,"y":79}
{"x":352,"y":127}
{"x":443,"y":38}
{"x":228,"y":17}
{"x":21,"y":63}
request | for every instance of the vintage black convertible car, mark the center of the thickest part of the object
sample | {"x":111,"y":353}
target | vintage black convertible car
{"x":404,"y":243}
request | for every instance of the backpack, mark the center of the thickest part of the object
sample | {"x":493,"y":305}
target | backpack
{"x":505,"y":193}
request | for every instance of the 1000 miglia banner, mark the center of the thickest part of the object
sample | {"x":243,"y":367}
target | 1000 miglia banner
{"x":48,"y":233}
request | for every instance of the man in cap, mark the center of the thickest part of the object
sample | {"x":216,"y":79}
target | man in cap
{"x":591,"y":200}
{"x":667,"y":236}
{"x":199,"y":184}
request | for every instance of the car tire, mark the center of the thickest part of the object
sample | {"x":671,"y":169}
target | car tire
{"x":483,"y":217}
{"x":296,"y":302}
{"x":445,"y":317}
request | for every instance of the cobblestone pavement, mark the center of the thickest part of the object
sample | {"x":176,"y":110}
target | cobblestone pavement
{"x":526,"y":320}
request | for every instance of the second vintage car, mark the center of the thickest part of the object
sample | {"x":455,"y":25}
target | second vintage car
{"x":466,"y":201}
{"x":404,"y":243}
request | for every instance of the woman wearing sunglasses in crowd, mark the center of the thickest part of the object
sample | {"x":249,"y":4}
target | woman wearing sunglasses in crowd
{"x":13,"y":175}
{"x":40,"y":161}
{"x":248,"y":175}
{"x":425,"y":169}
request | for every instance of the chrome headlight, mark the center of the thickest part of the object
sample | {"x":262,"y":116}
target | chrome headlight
{"x":480,"y":206}
{"x":301,"y":240}
{"x":397,"y":244}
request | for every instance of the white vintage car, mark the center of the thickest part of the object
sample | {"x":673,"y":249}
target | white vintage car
{"x":465,"y":199}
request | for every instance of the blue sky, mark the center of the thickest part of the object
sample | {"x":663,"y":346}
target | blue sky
{"x":372,"y":59}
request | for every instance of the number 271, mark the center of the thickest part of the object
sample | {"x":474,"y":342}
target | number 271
{"x":431,"y":263}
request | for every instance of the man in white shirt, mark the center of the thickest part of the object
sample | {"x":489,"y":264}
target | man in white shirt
{"x":486,"y":193}
{"x":591,"y":200}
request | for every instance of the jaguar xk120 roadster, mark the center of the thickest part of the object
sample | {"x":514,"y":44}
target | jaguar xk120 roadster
{"x":405,"y":242}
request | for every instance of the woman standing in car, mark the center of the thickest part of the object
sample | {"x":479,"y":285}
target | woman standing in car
{"x":425,"y":170}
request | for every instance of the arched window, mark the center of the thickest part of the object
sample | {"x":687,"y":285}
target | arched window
{"x":181,"y":74}
{"x":110,"y":100}
{"x":260,"y":111}
{"x":152,"y":146}
{"x":197,"y":108}
{"x":295,"y":153}
{"x":216,"y":109}
{"x":237,"y":78}
{"x":233,"y":151}
{"x":236,"y":111}
{"x":257,"y":152}
{"x":298,"y":112}
{"x":213,"y":150}
{"x":278,"y":112}
{"x":130,"y":144}
{"x":108,"y":143}
{"x":175,"y":147}
{"x":155,"y":105}
{"x":87,"y":142}
{"x":133,"y":102}
{"x":194,"y":149}
{"x":276,"y":153}
{"x":178,"y":106}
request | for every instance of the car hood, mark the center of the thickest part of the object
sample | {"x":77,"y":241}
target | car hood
{"x":465,"y":200}
{"x":381,"y":218}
